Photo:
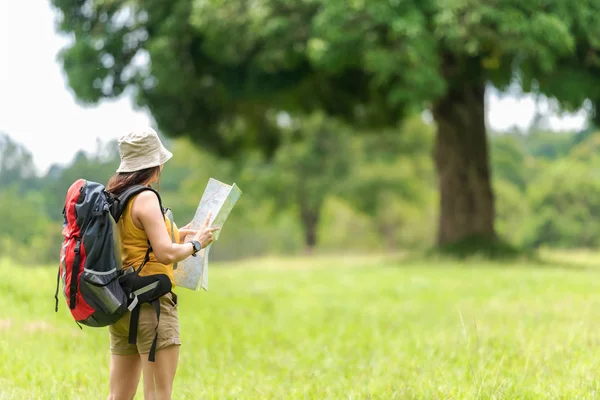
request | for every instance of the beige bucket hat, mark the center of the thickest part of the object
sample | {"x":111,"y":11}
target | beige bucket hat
{"x":141,"y":149}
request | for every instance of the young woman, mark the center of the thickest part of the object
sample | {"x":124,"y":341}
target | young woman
{"x":142,"y":159}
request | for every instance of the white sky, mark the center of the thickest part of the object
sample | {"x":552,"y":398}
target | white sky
{"x":38,"y":110}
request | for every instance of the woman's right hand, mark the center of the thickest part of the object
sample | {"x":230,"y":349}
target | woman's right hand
{"x":205,"y":235}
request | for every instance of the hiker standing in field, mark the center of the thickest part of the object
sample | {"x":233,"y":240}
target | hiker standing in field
{"x":148,"y":235}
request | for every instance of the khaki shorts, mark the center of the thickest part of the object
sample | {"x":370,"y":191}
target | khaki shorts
{"x":168,"y":329}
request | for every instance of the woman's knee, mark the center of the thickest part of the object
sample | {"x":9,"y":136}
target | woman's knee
{"x":129,"y":395}
{"x":163,"y":393}
{"x":124,"y":387}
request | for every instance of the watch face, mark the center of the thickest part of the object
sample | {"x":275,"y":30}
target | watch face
{"x":197,"y":246}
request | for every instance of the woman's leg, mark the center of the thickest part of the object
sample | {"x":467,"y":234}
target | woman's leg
{"x":124,"y":376}
{"x":125,"y":364}
{"x":160,"y":374}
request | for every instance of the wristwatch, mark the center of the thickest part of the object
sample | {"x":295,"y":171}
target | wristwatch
{"x":197,"y":247}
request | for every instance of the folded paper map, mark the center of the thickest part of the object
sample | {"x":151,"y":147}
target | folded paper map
{"x":218,"y":199}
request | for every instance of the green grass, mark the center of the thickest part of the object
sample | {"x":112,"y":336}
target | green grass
{"x":335,"y":328}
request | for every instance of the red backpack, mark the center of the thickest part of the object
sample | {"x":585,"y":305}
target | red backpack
{"x":97,"y":287}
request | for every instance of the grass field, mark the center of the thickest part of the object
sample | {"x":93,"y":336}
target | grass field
{"x":335,"y":328}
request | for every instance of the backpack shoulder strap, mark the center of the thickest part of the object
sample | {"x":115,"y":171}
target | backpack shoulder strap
{"x":120,"y":201}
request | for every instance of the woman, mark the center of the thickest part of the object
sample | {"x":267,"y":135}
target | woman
{"x":142,"y":159}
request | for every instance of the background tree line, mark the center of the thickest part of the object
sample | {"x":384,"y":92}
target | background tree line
{"x":222,"y":73}
{"x":328,"y":189}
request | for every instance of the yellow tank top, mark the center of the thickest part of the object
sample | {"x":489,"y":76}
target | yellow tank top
{"x":134,"y":244}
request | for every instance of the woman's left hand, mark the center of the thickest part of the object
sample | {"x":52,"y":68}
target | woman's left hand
{"x":186,"y":230}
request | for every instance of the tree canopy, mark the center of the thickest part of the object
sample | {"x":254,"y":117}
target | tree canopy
{"x":220,"y":71}
{"x":197,"y":64}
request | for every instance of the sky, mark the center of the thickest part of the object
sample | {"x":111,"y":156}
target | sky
{"x":38,"y":110}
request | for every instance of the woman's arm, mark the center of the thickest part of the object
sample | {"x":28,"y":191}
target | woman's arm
{"x":146,"y":210}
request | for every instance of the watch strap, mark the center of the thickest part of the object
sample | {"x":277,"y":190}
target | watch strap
{"x":197,"y":247}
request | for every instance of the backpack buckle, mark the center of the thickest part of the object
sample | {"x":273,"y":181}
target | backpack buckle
{"x":134,"y":302}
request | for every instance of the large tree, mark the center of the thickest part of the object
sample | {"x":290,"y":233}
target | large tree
{"x":205,"y":68}
{"x":314,"y":160}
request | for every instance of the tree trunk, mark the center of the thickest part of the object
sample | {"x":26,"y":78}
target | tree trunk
{"x":310,"y":222}
{"x":461,"y":157}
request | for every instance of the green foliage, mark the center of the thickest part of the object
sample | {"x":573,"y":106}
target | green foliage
{"x":564,"y":204}
{"x":24,"y":222}
{"x":97,"y":165}
{"x":221,"y":72}
{"x":587,"y":152}
{"x":345,"y":229}
{"x":394,"y":181}
{"x":512,"y":212}
{"x":508,"y":158}
{"x":366,"y":61}
{"x":16,"y":164}
{"x":545,"y":192}
{"x":393,"y":163}
{"x":549,"y":145}
{"x":313,"y":161}
{"x":405,"y":223}
{"x":370,"y":192}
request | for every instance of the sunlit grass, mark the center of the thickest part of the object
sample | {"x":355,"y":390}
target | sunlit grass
{"x":334,"y":328}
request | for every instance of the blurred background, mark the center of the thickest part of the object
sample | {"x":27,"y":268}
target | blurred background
{"x":421,"y":189}
{"x":325,"y":115}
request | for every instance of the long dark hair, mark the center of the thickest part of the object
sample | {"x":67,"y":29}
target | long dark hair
{"x":122,"y":180}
